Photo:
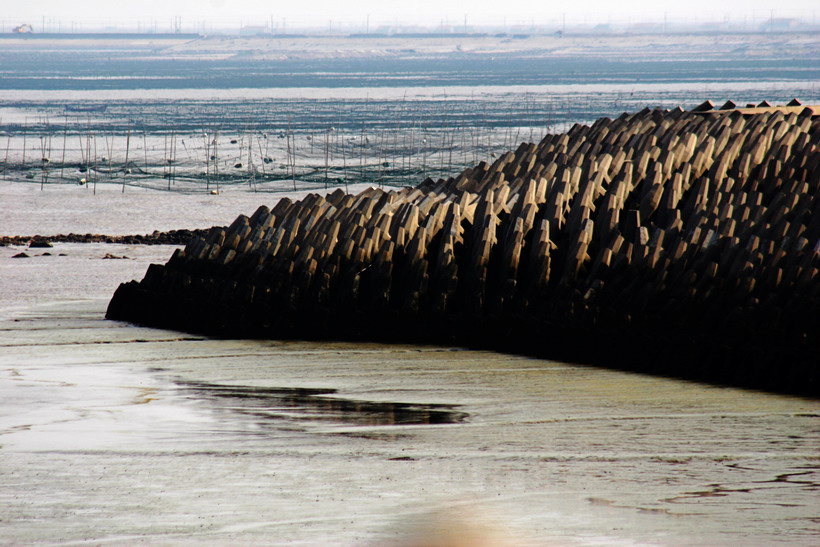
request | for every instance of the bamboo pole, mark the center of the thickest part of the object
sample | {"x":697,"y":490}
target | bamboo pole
{"x":127,"y":170}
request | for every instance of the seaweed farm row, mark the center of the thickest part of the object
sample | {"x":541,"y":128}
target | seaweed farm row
{"x":200,"y":141}
{"x":211,"y":158}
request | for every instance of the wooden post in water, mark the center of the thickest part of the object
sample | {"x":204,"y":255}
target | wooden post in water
{"x":127,"y":150}
{"x":165,"y":164}
{"x":87,"y":151}
{"x":263,"y":157}
{"x":292,"y":155}
{"x":144,"y":150}
{"x":81,"y":149}
{"x":110,"y":147}
{"x":95,"y":165}
{"x":344,"y":163}
{"x":290,"y":160}
{"x":216,"y":159}
{"x":207,"y":143}
{"x":65,"y":134}
{"x":42,"y":163}
{"x":173,"y":156}
{"x":6,"y":160}
{"x":25,"y":131}
{"x":250,"y":161}
{"x":423,"y":150}
{"x":327,"y":152}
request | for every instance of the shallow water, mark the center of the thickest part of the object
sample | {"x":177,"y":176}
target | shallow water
{"x":69,"y":208}
{"x":389,"y":111}
{"x":274,"y":140}
{"x":115,"y":434}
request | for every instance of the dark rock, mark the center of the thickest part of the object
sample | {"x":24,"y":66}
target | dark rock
{"x":21,"y":255}
{"x":40,"y":243}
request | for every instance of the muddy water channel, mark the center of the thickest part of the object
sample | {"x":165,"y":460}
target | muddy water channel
{"x":115,"y":434}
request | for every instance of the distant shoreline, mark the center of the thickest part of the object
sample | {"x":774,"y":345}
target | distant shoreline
{"x":575,"y":33}
{"x":98,"y":35}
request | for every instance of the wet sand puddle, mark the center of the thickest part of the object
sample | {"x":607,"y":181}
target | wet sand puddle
{"x":272,"y":407}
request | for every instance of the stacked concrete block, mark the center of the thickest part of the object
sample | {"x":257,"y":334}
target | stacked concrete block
{"x":681,"y":243}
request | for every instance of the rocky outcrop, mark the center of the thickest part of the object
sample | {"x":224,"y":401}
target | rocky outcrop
{"x":661,"y":241}
{"x":171,"y":237}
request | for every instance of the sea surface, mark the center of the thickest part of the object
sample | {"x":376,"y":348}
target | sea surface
{"x":393,"y":111}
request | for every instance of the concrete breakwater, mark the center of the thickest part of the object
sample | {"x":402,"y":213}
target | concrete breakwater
{"x":678,"y":243}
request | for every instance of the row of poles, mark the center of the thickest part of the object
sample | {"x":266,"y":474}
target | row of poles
{"x":221,"y":157}
{"x":331,"y":142}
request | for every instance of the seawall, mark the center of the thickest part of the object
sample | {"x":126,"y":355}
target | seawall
{"x":670,"y":242}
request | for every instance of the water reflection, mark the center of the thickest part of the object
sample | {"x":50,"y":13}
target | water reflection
{"x":319,"y":405}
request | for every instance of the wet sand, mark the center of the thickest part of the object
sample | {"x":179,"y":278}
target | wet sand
{"x":114,"y":434}
{"x":70,"y":208}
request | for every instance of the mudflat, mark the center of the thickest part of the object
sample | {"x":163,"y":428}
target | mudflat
{"x":115,"y":434}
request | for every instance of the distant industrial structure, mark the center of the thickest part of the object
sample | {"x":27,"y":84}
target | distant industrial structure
{"x":558,"y":26}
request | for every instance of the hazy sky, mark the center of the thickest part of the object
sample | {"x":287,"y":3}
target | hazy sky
{"x":388,"y":11}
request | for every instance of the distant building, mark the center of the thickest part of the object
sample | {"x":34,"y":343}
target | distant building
{"x":25,"y":28}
